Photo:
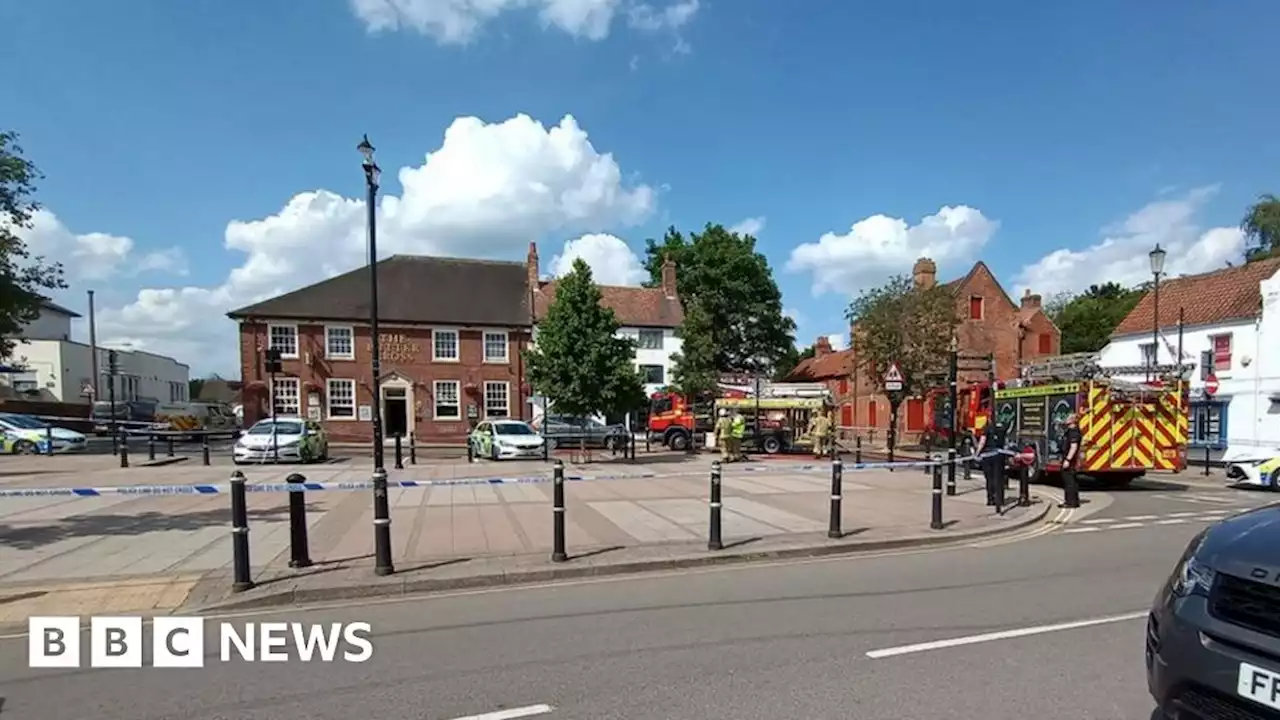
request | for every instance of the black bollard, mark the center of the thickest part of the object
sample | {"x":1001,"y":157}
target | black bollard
{"x":170,"y":440}
{"x":204,"y":447}
{"x":413,"y":449}
{"x":239,"y":534}
{"x":1024,"y":487}
{"x":124,"y":450}
{"x":299,"y":554}
{"x":399,"y":453}
{"x":151,"y":448}
{"x":1206,"y":461}
{"x":471,"y":452}
{"x":48,"y":437}
{"x":715,"y":543}
{"x":936,"y":520}
{"x":381,"y":525}
{"x":857,"y":450}
{"x":558,"y":553}
{"x":837,"y":477}
{"x":951,"y":471}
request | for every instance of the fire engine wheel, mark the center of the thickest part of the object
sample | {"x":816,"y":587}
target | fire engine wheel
{"x":771,"y":445}
{"x":678,"y":441}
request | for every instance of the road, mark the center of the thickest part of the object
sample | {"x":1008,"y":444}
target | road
{"x":744,"y":643}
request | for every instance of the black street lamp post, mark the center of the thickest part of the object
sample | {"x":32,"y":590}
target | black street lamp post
{"x":381,"y":509}
{"x":1157,"y":269}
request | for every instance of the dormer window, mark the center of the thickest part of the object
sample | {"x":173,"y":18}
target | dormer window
{"x":975,"y":308}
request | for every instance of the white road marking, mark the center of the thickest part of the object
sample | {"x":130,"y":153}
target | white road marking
{"x":1172,"y":521}
{"x":1001,"y":635}
{"x":1181,"y":514}
{"x":1097,"y":521}
{"x":1125,"y":526}
{"x":1083,"y":530}
{"x":511,"y":714}
{"x":1141,"y":517}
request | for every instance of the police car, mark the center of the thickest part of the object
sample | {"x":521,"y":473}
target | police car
{"x":505,"y":440}
{"x":288,"y":439}
{"x":1256,"y":472}
{"x":25,"y":435}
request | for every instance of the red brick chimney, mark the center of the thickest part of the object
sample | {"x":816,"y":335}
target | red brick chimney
{"x":822,"y":346}
{"x":924,"y":273}
{"x":531,"y":262}
{"x":1030,"y":301}
{"x":669,"y":277}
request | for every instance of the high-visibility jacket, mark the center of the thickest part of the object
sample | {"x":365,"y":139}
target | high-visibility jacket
{"x":723,"y":428}
{"x":739,"y":427}
{"x":821,"y":426}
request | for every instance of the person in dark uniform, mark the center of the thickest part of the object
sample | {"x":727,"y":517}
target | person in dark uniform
{"x":992,"y":437}
{"x":1070,"y":445}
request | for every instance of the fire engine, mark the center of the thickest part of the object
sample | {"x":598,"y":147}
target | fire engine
{"x":784,"y":412}
{"x":1128,"y":428}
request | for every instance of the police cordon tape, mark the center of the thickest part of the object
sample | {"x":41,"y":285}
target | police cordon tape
{"x":214,"y":489}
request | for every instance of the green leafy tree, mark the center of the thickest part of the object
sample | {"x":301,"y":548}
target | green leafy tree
{"x":695,"y":373}
{"x":734,"y":284}
{"x":898,"y":323}
{"x":579,"y":363}
{"x":1262,"y":226}
{"x":788,"y":364}
{"x":1088,"y":319}
{"x":25,"y":281}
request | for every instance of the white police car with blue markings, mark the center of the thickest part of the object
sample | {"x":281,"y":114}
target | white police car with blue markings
{"x":288,"y":439}
{"x":25,"y":435}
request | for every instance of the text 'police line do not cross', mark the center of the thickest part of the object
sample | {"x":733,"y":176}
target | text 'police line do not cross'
{"x":178,"y":642}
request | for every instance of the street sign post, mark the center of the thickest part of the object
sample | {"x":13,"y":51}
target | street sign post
{"x":893,"y":379}
{"x":1211,"y":385}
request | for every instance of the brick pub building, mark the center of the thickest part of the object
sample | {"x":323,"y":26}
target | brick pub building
{"x":990,"y":322}
{"x":452,"y":335}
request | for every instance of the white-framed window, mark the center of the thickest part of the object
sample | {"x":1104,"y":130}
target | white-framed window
{"x":650,"y":340}
{"x":342,"y":399}
{"x":448,"y":400}
{"x":339,"y":342}
{"x":284,"y":396}
{"x":444,"y":345}
{"x":653,"y":374}
{"x":497,"y":399}
{"x":283,"y":338}
{"x":496,"y":347}
{"x":1222,"y":352}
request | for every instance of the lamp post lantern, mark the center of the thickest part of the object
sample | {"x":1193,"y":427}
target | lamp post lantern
{"x":381,"y":508}
{"x":1157,"y":256}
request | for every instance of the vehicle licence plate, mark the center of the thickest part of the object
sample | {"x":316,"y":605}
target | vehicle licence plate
{"x":1259,"y":685}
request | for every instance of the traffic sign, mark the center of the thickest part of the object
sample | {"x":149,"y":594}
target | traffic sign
{"x":87,"y":390}
{"x":893,"y":379}
{"x":1211,"y":385}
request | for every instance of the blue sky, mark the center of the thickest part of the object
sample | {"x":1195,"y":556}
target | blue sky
{"x":199,"y":155}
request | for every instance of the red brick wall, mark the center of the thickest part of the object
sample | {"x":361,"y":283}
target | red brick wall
{"x":315,"y":370}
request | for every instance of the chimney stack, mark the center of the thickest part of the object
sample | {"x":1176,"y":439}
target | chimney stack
{"x":1030,"y":301}
{"x":924,"y":273}
{"x":669,"y":276}
{"x":822,"y":346}
{"x":531,"y":262}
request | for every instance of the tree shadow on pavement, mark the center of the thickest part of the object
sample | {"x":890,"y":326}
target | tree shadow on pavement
{"x":30,"y":537}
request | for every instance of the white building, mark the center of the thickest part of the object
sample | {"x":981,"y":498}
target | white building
{"x":1225,"y":338}
{"x":649,"y":316}
{"x":55,"y":368}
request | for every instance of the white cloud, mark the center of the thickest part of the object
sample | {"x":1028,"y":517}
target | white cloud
{"x":612,"y":262}
{"x":1122,"y":255}
{"x":486,"y":192}
{"x":457,"y":22}
{"x":839,"y":341}
{"x":752,"y":226}
{"x":880,"y":246}
{"x":94,"y":256}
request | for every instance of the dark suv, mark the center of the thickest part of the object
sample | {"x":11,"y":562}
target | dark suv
{"x":1213,"y":635}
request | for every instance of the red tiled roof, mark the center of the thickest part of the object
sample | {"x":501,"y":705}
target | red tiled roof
{"x":1216,"y":297}
{"x":634,"y":306}
{"x":824,"y":367}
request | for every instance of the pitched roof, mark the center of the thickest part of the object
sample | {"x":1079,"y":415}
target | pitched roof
{"x":55,"y":307}
{"x":412,"y":289}
{"x":824,"y":367}
{"x":1220,"y":296}
{"x":634,"y":306}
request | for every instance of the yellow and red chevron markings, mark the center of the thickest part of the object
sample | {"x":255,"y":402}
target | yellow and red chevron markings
{"x":1148,"y":435}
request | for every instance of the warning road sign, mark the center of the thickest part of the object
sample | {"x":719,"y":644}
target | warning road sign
{"x":893,"y":379}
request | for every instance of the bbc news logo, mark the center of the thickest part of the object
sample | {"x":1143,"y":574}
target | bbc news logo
{"x":178,"y":642}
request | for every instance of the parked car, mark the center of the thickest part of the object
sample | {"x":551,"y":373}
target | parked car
{"x":25,"y":435}
{"x":1259,"y":472}
{"x":290,"y":439}
{"x":1213,"y":634}
{"x":129,"y":415}
{"x":505,"y":440}
{"x":571,"y":432}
